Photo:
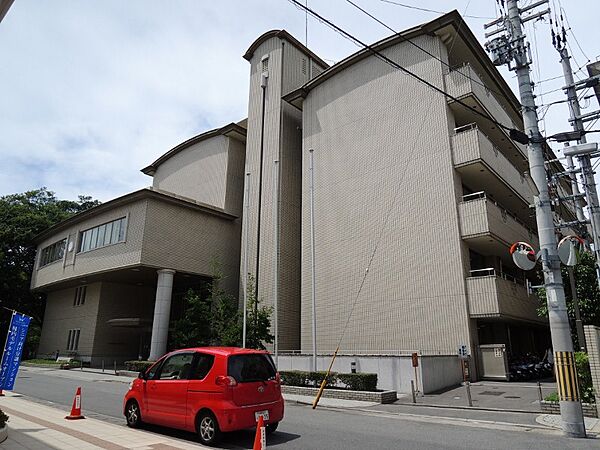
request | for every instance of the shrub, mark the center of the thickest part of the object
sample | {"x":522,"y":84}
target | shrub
{"x":358,"y":381}
{"x":350,"y":381}
{"x":585,"y":377}
{"x":294,"y":377}
{"x":70,"y":364}
{"x":552,"y":397}
{"x":138,"y":366}
{"x":3,"y":419}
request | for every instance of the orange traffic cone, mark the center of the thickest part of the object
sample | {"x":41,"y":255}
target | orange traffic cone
{"x":76,"y":409}
{"x":260,"y":440}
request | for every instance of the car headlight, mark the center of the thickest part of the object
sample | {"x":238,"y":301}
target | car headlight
{"x":131,"y":385}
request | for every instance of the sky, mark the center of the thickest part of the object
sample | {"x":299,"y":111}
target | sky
{"x":91,"y":92}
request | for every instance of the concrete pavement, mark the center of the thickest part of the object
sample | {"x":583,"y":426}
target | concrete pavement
{"x":34,"y":427}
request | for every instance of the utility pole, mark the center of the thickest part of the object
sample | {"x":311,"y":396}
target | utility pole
{"x":507,"y":49}
{"x":581,"y":218}
{"x":589,"y":184}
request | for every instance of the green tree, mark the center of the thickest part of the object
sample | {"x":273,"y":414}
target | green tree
{"x":258,"y":320}
{"x":22,"y":217}
{"x":588,"y":294}
{"x":194,"y":328}
{"x":216,"y":319}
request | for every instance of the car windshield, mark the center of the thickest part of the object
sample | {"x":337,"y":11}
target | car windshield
{"x":251,"y":367}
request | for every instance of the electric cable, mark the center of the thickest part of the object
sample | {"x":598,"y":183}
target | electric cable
{"x":404,"y":5}
{"x":397,"y":66}
{"x":404,"y":39}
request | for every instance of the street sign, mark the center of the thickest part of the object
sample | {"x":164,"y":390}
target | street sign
{"x":415,"y":360}
{"x":463,"y":352}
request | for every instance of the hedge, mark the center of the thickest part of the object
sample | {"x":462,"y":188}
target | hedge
{"x":138,"y":366}
{"x":349,"y":381}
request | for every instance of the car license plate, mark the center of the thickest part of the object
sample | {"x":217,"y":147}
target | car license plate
{"x":264,"y":414}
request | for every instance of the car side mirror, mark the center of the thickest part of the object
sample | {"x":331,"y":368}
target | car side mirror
{"x":142,"y":375}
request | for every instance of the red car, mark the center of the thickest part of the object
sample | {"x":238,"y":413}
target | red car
{"x":207,"y":390}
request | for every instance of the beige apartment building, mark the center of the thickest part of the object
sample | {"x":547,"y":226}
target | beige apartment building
{"x":413,"y":186}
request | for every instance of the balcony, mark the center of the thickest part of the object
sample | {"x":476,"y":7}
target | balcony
{"x":489,"y":229}
{"x":466,"y":85}
{"x":500,"y":296}
{"x":483,"y":167}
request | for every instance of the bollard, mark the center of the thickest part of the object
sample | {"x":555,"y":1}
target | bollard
{"x":81,"y":365}
{"x":468,"y":386}
{"x":540,"y":396}
{"x":115,"y":366}
{"x":102,"y":366}
{"x":412,"y":389}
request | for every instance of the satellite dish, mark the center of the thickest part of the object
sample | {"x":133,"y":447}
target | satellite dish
{"x":569,"y":250}
{"x":523,"y":255}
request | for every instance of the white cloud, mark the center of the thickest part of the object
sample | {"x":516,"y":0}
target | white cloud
{"x":92,"y":92}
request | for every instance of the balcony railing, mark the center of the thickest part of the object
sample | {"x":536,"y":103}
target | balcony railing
{"x":480,"y":215}
{"x":470,"y":145}
{"x":463,"y":80}
{"x":499,"y":296}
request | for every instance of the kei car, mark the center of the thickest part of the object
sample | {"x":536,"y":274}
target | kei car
{"x":207,"y":390}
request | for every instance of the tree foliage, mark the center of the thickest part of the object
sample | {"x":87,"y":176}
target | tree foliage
{"x":22,"y":217}
{"x":216,"y":319}
{"x":588,"y":294}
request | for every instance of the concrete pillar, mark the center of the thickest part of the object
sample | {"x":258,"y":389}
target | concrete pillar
{"x":162,"y":313}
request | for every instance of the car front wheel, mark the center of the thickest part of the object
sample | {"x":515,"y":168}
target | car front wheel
{"x":208,"y":428}
{"x":133,"y":414}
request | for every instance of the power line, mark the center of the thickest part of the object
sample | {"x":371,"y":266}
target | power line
{"x":397,"y":66}
{"x":474,"y":80}
{"x":404,"y":5}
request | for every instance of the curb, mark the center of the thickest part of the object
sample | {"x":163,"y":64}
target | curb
{"x":470,"y":408}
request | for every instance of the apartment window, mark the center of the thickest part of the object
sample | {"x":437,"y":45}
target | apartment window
{"x":73,"y":340}
{"x":53,"y":252}
{"x":79,"y":296}
{"x":103,"y":235}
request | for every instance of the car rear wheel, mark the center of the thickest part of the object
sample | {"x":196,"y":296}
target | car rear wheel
{"x":208,"y":428}
{"x":133,"y":414}
{"x":271,"y":427}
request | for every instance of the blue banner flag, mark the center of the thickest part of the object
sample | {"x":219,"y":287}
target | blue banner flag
{"x":11,"y":358}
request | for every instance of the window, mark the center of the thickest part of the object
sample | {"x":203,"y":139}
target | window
{"x":73,"y":340}
{"x":103,"y":235}
{"x":251,"y":367}
{"x":79,"y":296}
{"x":176,"y":367}
{"x":203,"y":366}
{"x":53,"y":252}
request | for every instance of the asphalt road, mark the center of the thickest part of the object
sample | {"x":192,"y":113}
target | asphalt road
{"x":302,"y":427}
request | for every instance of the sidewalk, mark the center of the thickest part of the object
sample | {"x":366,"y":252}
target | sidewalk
{"x":35,"y":427}
{"x":490,"y":395}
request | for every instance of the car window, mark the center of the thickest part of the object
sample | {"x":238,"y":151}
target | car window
{"x":176,"y":367}
{"x":152,"y":372}
{"x":251,"y":367}
{"x":203,"y":366}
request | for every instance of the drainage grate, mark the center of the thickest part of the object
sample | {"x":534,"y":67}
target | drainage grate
{"x":492,"y":393}
{"x":511,"y":396}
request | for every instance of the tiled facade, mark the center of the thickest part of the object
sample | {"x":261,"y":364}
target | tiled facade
{"x":416,"y":201}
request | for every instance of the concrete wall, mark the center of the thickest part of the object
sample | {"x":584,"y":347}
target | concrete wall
{"x":113,"y":256}
{"x":61,"y":316}
{"x":393,"y":372}
{"x":384,"y":187}
{"x":180,"y":238}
